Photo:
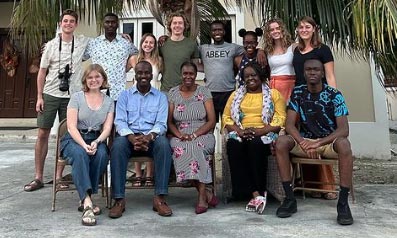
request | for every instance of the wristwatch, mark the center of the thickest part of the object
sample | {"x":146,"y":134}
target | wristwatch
{"x":97,"y":141}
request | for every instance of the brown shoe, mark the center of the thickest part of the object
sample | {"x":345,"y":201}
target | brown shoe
{"x":118,"y":208}
{"x":161,"y":207}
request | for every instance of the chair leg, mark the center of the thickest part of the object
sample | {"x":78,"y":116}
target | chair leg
{"x":54,"y":185}
{"x":352,"y":192}
{"x":213,"y":162}
{"x":302,"y":180}
{"x":108,"y":188}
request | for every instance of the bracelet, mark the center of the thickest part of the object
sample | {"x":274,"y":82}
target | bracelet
{"x":151,"y":136}
{"x":97,"y":141}
{"x":194,"y":135}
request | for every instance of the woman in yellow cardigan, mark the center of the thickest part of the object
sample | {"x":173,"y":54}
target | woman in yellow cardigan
{"x":253,"y":116}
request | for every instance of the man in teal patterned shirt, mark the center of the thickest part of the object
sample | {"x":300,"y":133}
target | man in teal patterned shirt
{"x":321,"y":114}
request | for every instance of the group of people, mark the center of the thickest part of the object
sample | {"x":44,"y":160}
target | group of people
{"x":247,"y":87}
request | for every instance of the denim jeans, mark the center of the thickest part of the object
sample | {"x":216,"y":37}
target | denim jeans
{"x":122,"y":150}
{"x":86,"y":169}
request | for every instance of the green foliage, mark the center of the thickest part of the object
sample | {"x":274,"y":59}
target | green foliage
{"x":358,"y":27}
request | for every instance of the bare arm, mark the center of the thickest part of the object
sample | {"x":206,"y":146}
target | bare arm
{"x":237,"y":61}
{"x":131,"y":62}
{"x":107,"y":127}
{"x":71,"y":116}
{"x":261,"y":57}
{"x":200,"y":66}
{"x":290,"y":126}
{"x":40,"y":87}
{"x":330,"y":74}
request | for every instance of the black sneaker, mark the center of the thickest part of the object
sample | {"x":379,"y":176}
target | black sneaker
{"x":287,"y":208}
{"x":344,"y":214}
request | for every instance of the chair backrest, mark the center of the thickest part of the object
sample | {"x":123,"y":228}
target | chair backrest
{"x":62,"y":129}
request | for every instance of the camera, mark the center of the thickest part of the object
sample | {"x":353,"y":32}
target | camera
{"x":64,"y":76}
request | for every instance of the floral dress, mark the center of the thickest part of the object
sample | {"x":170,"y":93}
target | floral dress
{"x":191,"y":158}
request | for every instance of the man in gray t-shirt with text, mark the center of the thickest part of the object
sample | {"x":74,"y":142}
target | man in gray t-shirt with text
{"x":217,"y":59}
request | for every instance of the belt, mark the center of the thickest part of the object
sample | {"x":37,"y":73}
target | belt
{"x":86,"y":131}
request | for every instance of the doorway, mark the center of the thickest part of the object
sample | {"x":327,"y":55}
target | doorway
{"x":18,"y":91}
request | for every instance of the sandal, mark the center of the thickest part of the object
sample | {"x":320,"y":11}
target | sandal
{"x":257,"y":204}
{"x":250,"y":206}
{"x":330,"y":196}
{"x":149,"y":181}
{"x":137,"y":182}
{"x":214,"y":201}
{"x":315,"y":195}
{"x":89,"y":215}
{"x":96,"y":209}
{"x":260,"y":207}
{"x":33,"y":185}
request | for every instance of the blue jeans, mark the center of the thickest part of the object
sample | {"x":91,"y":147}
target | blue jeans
{"x":122,"y":150}
{"x":86,"y":169}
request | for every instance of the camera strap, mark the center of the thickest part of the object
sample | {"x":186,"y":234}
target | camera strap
{"x":71,"y":54}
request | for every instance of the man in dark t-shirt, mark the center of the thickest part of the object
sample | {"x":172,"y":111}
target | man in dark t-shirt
{"x":323,"y":132}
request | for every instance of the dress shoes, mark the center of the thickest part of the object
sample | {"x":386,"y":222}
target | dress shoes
{"x":118,"y":208}
{"x":161,"y":207}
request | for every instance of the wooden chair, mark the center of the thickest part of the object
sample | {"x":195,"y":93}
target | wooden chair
{"x":297,"y":168}
{"x":56,"y":186}
{"x":172,"y":182}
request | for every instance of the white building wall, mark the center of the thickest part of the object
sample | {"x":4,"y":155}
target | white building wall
{"x":371,"y":139}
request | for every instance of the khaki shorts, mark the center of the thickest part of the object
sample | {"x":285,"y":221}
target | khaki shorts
{"x":326,"y":151}
{"x":52,"y":106}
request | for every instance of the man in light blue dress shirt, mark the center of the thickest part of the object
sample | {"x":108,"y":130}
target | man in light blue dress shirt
{"x":141,"y":124}
{"x":111,"y":51}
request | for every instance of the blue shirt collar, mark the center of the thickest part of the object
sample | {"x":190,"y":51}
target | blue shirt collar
{"x":135,"y":90}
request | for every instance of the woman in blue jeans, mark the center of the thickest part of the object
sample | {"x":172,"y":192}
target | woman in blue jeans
{"x":89,"y":120}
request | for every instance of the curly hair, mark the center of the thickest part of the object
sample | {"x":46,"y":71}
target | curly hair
{"x":177,"y":14}
{"x":315,"y":41}
{"x":268,"y":40}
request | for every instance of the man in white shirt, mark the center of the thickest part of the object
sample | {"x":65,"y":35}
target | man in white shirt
{"x":61,"y":60}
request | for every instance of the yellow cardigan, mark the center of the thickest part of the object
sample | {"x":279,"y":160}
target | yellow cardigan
{"x":251,"y":106}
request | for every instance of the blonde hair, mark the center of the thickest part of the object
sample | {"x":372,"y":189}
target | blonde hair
{"x":315,"y":41}
{"x":100,"y":70}
{"x":268,"y":41}
{"x":154,"y":54}
{"x":177,"y":14}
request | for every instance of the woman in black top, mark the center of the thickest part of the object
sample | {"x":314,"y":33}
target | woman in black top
{"x":309,"y":47}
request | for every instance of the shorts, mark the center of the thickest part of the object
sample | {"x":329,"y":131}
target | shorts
{"x":326,"y":151}
{"x":52,"y":106}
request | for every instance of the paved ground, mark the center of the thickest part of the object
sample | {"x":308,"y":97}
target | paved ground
{"x":25,"y":214}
